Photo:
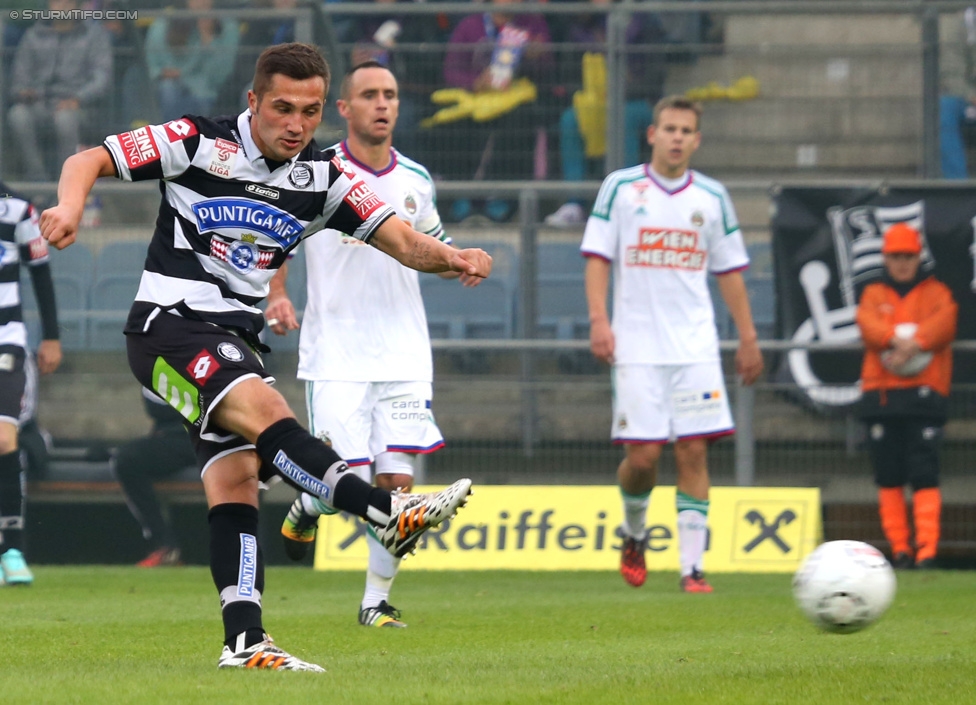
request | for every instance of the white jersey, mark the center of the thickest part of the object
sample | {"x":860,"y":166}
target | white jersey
{"x":365,"y":320}
{"x":663,"y":243}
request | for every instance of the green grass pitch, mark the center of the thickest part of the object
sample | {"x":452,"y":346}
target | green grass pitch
{"x":111,"y":635}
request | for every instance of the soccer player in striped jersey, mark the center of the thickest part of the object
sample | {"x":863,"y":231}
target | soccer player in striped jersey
{"x":238,"y":194}
{"x":662,"y":228}
{"x":20,"y":242}
{"x":367,"y":362}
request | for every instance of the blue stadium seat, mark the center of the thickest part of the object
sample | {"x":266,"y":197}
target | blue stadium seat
{"x":562,"y":309}
{"x":559,"y":258}
{"x":458,"y":312}
{"x":111,"y":298}
{"x":127,"y":257}
{"x":71,"y":271}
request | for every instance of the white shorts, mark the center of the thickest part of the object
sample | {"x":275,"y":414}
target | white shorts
{"x":661,"y":403}
{"x":360,"y":420}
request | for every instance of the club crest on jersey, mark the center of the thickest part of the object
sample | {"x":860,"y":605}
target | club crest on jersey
{"x":698,"y":219}
{"x":236,"y":214}
{"x":229,"y":351}
{"x":410,"y":204}
{"x":300,"y":175}
{"x":242,"y":255}
{"x":222,"y":158}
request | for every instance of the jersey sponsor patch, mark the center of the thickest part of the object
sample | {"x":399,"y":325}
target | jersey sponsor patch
{"x":363,"y":200}
{"x":222,"y":158}
{"x":244,"y":214}
{"x":38,"y":248}
{"x":242,"y":255}
{"x":139,"y":147}
{"x":177,"y":130}
{"x":666,"y":248}
{"x":202,"y":367}
{"x":700,"y":403}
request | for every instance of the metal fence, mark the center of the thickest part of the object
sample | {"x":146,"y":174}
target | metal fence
{"x":840,"y":87}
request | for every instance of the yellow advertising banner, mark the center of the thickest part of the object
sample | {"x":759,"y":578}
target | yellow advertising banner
{"x":751,"y":529}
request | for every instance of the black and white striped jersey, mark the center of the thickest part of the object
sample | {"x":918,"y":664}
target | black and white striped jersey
{"x":229,"y":217}
{"x":20,"y":242}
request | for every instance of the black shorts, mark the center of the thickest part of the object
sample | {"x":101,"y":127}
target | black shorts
{"x":12,"y":382}
{"x":191,"y":365}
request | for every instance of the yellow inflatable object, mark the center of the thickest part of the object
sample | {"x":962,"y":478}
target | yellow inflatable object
{"x":590,"y":104}
{"x":745,"y":88}
{"x":483,"y":106}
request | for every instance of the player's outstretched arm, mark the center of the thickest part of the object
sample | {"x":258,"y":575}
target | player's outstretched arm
{"x":59,"y":224}
{"x":427,"y":254}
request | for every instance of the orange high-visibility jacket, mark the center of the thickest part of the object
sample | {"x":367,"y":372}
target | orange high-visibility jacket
{"x":930,"y":305}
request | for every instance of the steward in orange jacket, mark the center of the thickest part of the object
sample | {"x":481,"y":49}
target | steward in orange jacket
{"x":907,"y":321}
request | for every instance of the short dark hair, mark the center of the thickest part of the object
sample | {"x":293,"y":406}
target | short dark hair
{"x":294,"y":60}
{"x":678,"y":102}
{"x":346,"y":86}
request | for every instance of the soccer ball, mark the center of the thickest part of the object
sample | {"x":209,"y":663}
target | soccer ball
{"x":915,"y":364}
{"x":844,"y":586}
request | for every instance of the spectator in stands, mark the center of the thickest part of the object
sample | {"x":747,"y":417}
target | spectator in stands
{"x":189,"y":59}
{"x":140,"y":462}
{"x":907,"y":321}
{"x":487,"y":52}
{"x":62,"y":70}
{"x":379,"y":38}
{"x":20,"y":238}
{"x":644,"y":85}
{"x":957,"y":88}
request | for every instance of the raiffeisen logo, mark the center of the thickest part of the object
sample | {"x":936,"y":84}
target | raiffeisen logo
{"x":237,"y":214}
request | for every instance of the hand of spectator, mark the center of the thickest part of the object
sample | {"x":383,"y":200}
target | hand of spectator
{"x":28,"y":95}
{"x":48,"y":356}
{"x":602,"y":342}
{"x":170,"y":73}
{"x":59,"y":225}
{"x":68,"y":104}
{"x":748,"y":361}
{"x":281,"y":315}
{"x":902,"y":350}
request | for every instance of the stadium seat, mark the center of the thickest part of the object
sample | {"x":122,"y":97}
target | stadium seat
{"x":71,"y":271}
{"x":760,"y":258}
{"x":127,"y":257}
{"x":111,"y":298}
{"x":458,"y":312}
{"x":559,"y":258}
{"x":562,"y":309}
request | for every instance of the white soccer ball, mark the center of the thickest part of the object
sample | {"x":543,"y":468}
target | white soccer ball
{"x":916,"y":364}
{"x":844,"y":586}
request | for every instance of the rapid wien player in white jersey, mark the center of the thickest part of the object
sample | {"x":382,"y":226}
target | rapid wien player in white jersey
{"x":238,"y":194}
{"x":662,"y":229}
{"x":364,"y":351}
